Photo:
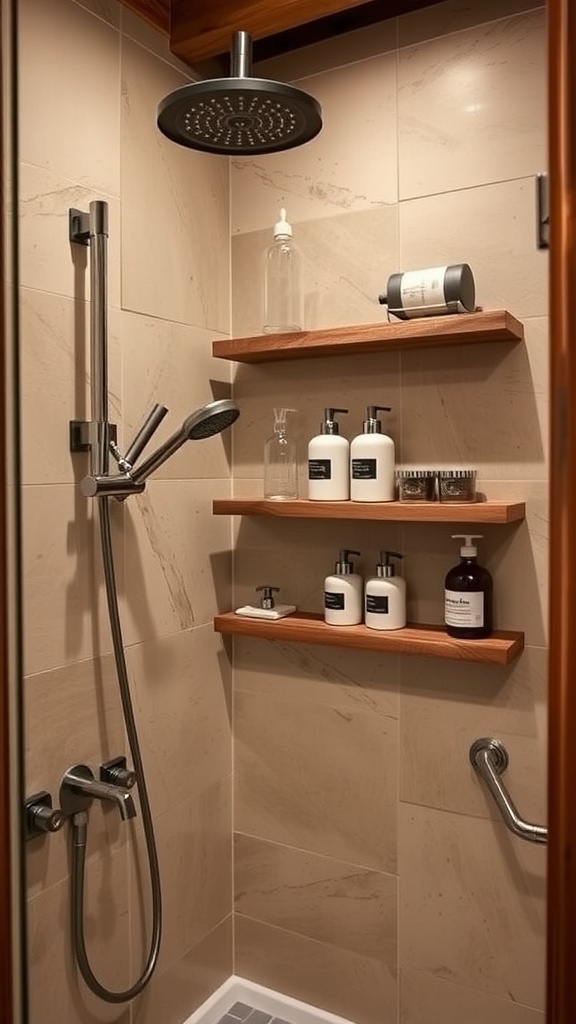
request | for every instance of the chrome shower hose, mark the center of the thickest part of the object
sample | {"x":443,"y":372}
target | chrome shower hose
{"x":79,"y":821}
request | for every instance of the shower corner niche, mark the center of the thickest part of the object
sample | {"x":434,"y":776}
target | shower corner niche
{"x":502,"y":647}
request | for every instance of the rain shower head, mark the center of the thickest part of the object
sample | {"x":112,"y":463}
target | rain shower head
{"x":210,"y":419}
{"x":240,"y":115}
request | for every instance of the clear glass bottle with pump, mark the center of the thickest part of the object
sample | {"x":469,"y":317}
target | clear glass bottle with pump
{"x":280,"y":461}
{"x":283,"y":296}
{"x":343,"y":593}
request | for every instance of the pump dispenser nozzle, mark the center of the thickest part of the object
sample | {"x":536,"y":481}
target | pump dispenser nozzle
{"x":372,"y":425}
{"x":385,"y":567}
{"x":468,"y":550}
{"x":344,"y":567}
{"x":330,"y":426}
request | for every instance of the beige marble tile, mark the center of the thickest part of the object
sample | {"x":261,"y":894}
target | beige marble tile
{"x":107,"y":10}
{"x":177,"y":991}
{"x":472,"y":107}
{"x":346,"y":258}
{"x":444,"y":707}
{"x":287,"y":756}
{"x":135,"y":28}
{"x":72,"y":715}
{"x":331,"y":173}
{"x":484,"y":406}
{"x":356,"y":987}
{"x":49,"y":262}
{"x":472,"y":904}
{"x":491,"y":227}
{"x":348,"y":679}
{"x":56,"y":991}
{"x":454,"y":15}
{"x":181,"y":693}
{"x":172,"y":364}
{"x":177,"y":212}
{"x":55,"y":383}
{"x":329,"y":54}
{"x":195,"y":855}
{"x":177,"y":556}
{"x":318,"y":897}
{"x":451,"y":1004}
{"x":70,"y":128}
{"x":65,"y":616}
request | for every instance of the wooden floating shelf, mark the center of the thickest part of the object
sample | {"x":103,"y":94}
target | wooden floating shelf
{"x":459,"y":329}
{"x":430,"y":641}
{"x":392,"y":511}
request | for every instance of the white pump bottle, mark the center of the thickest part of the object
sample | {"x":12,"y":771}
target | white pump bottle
{"x":343,"y":593}
{"x":385,"y":596}
{"x":328,"y":462}
{"x":372,"y":461}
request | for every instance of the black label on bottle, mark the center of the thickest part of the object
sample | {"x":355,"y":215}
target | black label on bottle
{"x":335,"y":602}
{"x":377,"y":603}
{"x":319,"y":469}
{"x":363,"y":469}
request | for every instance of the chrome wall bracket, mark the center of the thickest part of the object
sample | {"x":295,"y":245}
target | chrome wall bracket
{"x":79,"y":227}
{"x":490,"y":759}
{"x":80,"y":431}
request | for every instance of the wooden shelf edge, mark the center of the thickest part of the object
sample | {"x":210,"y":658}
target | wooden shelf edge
{"x":430,"y":641}
{"x":497,"y":512}
{"x":466,"y":328}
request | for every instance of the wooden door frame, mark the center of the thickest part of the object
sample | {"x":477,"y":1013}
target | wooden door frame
{"x":561,"y":999}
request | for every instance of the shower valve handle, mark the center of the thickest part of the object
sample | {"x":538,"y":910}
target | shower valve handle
{"x":145,"y":433}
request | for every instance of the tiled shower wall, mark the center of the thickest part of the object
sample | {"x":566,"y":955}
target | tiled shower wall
{"x":374,"y":877}
{"x":91,"y":76}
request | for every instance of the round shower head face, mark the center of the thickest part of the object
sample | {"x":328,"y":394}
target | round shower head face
{"x":211,"y":419}
{"x":239,"y":116}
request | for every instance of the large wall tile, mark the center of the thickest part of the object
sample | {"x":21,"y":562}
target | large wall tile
{"x":318,"y":897}
{"x":134,"y":27}
{"x":75,"y":131}
{"x":107,"y":10}
{"x":172,"y":364}
{"x":56,"y":991}
{"x":181,"y":689}
{"x":55,"y":383}
{"x":176,"y":992}
{"x":195,"y":856}
{"x":454,"y":15}
{"x":329,"y":54}
{"x":65,"y":617}
{"x":327,"y":175}
{"x":491,"y":228}
{"x":356,"y":987}
{"x":49,"y":262}
{"x":447,"y":1003}
{"x":351,"y":680}
{"x":80,"y":705}
{"x":176,"y":213}
{"x":346,"y":261}
{"x":178,"y":556}
{"x":287,"y":759}
{"x":472,"y":902}
{"x":472,"y":108}
{"x":444,"y":707}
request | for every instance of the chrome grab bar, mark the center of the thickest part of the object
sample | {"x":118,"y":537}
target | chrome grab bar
{"x":490,"y":759}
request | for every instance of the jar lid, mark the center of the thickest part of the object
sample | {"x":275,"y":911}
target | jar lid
{"x":457,"y":474}
{"x":407,"y":474}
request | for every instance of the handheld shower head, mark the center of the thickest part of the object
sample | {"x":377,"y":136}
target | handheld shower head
{"x":210,"y":419}
{"x":239,"y":115}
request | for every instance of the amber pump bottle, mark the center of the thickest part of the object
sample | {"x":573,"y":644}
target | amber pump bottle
{"x":468,"y":594}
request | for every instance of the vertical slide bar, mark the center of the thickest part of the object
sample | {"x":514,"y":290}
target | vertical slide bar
{"x":98,"y":228}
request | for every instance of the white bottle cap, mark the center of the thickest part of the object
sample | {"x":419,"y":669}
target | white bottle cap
{"x":468,"y":550}
{"x":282,"y":229}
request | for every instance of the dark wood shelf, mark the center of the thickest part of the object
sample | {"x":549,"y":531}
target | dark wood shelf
{"x":425,"y":332}
{"x":392,"y":511}
{"x":431,"y":641}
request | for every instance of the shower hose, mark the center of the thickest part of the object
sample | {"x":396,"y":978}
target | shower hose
{"x":80,"y":820}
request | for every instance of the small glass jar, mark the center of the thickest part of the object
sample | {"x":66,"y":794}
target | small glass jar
{"x":457,"y":485}
{"x":416,"y":484}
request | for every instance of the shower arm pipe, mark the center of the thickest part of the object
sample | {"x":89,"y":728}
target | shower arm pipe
{"x":490,"y":759}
